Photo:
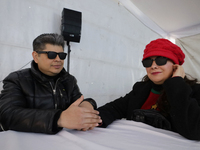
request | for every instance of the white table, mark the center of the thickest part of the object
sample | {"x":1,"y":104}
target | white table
{"x":120,"y":135}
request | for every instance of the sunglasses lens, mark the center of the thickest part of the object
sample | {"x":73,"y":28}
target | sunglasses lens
{"x":160,"y":61}
{"x":62,"y":55}
{"x":52,"y":55}
{"x":147,"y":62}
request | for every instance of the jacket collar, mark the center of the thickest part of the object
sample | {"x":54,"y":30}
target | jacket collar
{"x":63,"y":75}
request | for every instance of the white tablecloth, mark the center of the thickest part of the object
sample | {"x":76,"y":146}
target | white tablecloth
{"x":120,"y":135}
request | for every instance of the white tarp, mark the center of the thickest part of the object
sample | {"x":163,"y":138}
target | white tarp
{"x":191,"y":47}
{"x":120,"y":135}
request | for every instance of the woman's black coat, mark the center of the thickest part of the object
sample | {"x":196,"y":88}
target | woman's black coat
{"x":184,"y":101}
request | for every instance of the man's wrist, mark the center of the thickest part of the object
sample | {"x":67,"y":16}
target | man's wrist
{"x":56,"y":120}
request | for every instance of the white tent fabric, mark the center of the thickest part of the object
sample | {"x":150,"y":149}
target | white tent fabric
{"x":191,"y":31}
{"x":167,"y":26}
{"x":142,"y":17}
{"x":190,"y":45}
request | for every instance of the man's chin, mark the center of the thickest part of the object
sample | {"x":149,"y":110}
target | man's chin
{"x":55,"y":72}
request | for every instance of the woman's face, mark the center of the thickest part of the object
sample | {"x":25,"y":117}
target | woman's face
{"x":158,"y":74}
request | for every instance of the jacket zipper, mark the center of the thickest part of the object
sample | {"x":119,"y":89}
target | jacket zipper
{"x":54,"y":93}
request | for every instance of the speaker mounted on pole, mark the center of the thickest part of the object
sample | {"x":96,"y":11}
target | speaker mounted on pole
{"x":71,"y":25}
{"x":71,"y":28}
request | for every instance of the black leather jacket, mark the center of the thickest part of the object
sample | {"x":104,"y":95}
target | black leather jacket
{"x":31,"y":102}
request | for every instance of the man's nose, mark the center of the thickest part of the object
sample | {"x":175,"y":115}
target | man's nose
{"x":57,"y":58}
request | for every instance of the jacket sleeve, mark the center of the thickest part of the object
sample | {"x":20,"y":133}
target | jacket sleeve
{"x":123,"y":107}
{"x":116,"y":109}
{"x":73,"y":89}
{"x":14,"y":114}
{"x":185,"y":107}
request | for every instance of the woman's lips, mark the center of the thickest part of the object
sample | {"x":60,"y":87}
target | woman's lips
{"x":155,"y":73}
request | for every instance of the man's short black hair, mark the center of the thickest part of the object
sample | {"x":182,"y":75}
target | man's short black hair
{"x":47,"y":38}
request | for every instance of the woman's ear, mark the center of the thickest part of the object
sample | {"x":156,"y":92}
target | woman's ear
{"x":35,"y":56}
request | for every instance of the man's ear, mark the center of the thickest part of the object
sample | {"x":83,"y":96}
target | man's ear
{"x":35,"y":56}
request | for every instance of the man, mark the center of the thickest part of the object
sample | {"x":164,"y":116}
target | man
{"x":45,"y":98}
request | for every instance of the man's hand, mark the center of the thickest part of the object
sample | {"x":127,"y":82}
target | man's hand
{"x":79,"y":116}
{"x":86,"y":104}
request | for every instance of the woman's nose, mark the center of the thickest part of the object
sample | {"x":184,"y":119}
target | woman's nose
{"x":154,"y":65}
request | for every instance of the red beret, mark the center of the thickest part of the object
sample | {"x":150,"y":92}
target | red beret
{"x":165,"y":48}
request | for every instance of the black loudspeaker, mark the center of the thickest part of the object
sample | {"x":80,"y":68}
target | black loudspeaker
{"x":71,"y":25}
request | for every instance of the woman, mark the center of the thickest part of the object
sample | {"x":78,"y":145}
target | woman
{"x":166,"y":98}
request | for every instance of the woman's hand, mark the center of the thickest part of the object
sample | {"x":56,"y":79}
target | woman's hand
{"x":178,"y":71}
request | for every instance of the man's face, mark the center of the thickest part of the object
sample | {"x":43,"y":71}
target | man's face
{"x":50,"y":67}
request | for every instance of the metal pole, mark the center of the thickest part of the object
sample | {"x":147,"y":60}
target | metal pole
{"x":68,"y":56}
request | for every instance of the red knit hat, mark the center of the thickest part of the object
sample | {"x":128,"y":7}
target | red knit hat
{"x":165,"y":48}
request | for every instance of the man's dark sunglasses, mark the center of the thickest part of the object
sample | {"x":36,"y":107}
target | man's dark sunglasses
{"x":53,"y":55}
{"x":160,"y":61}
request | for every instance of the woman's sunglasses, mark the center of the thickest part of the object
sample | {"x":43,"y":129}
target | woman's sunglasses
{"x":160,"y":61}
{"x":53,"y":55}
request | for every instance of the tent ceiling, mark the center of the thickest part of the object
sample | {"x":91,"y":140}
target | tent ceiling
{"x":170,"y":15}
